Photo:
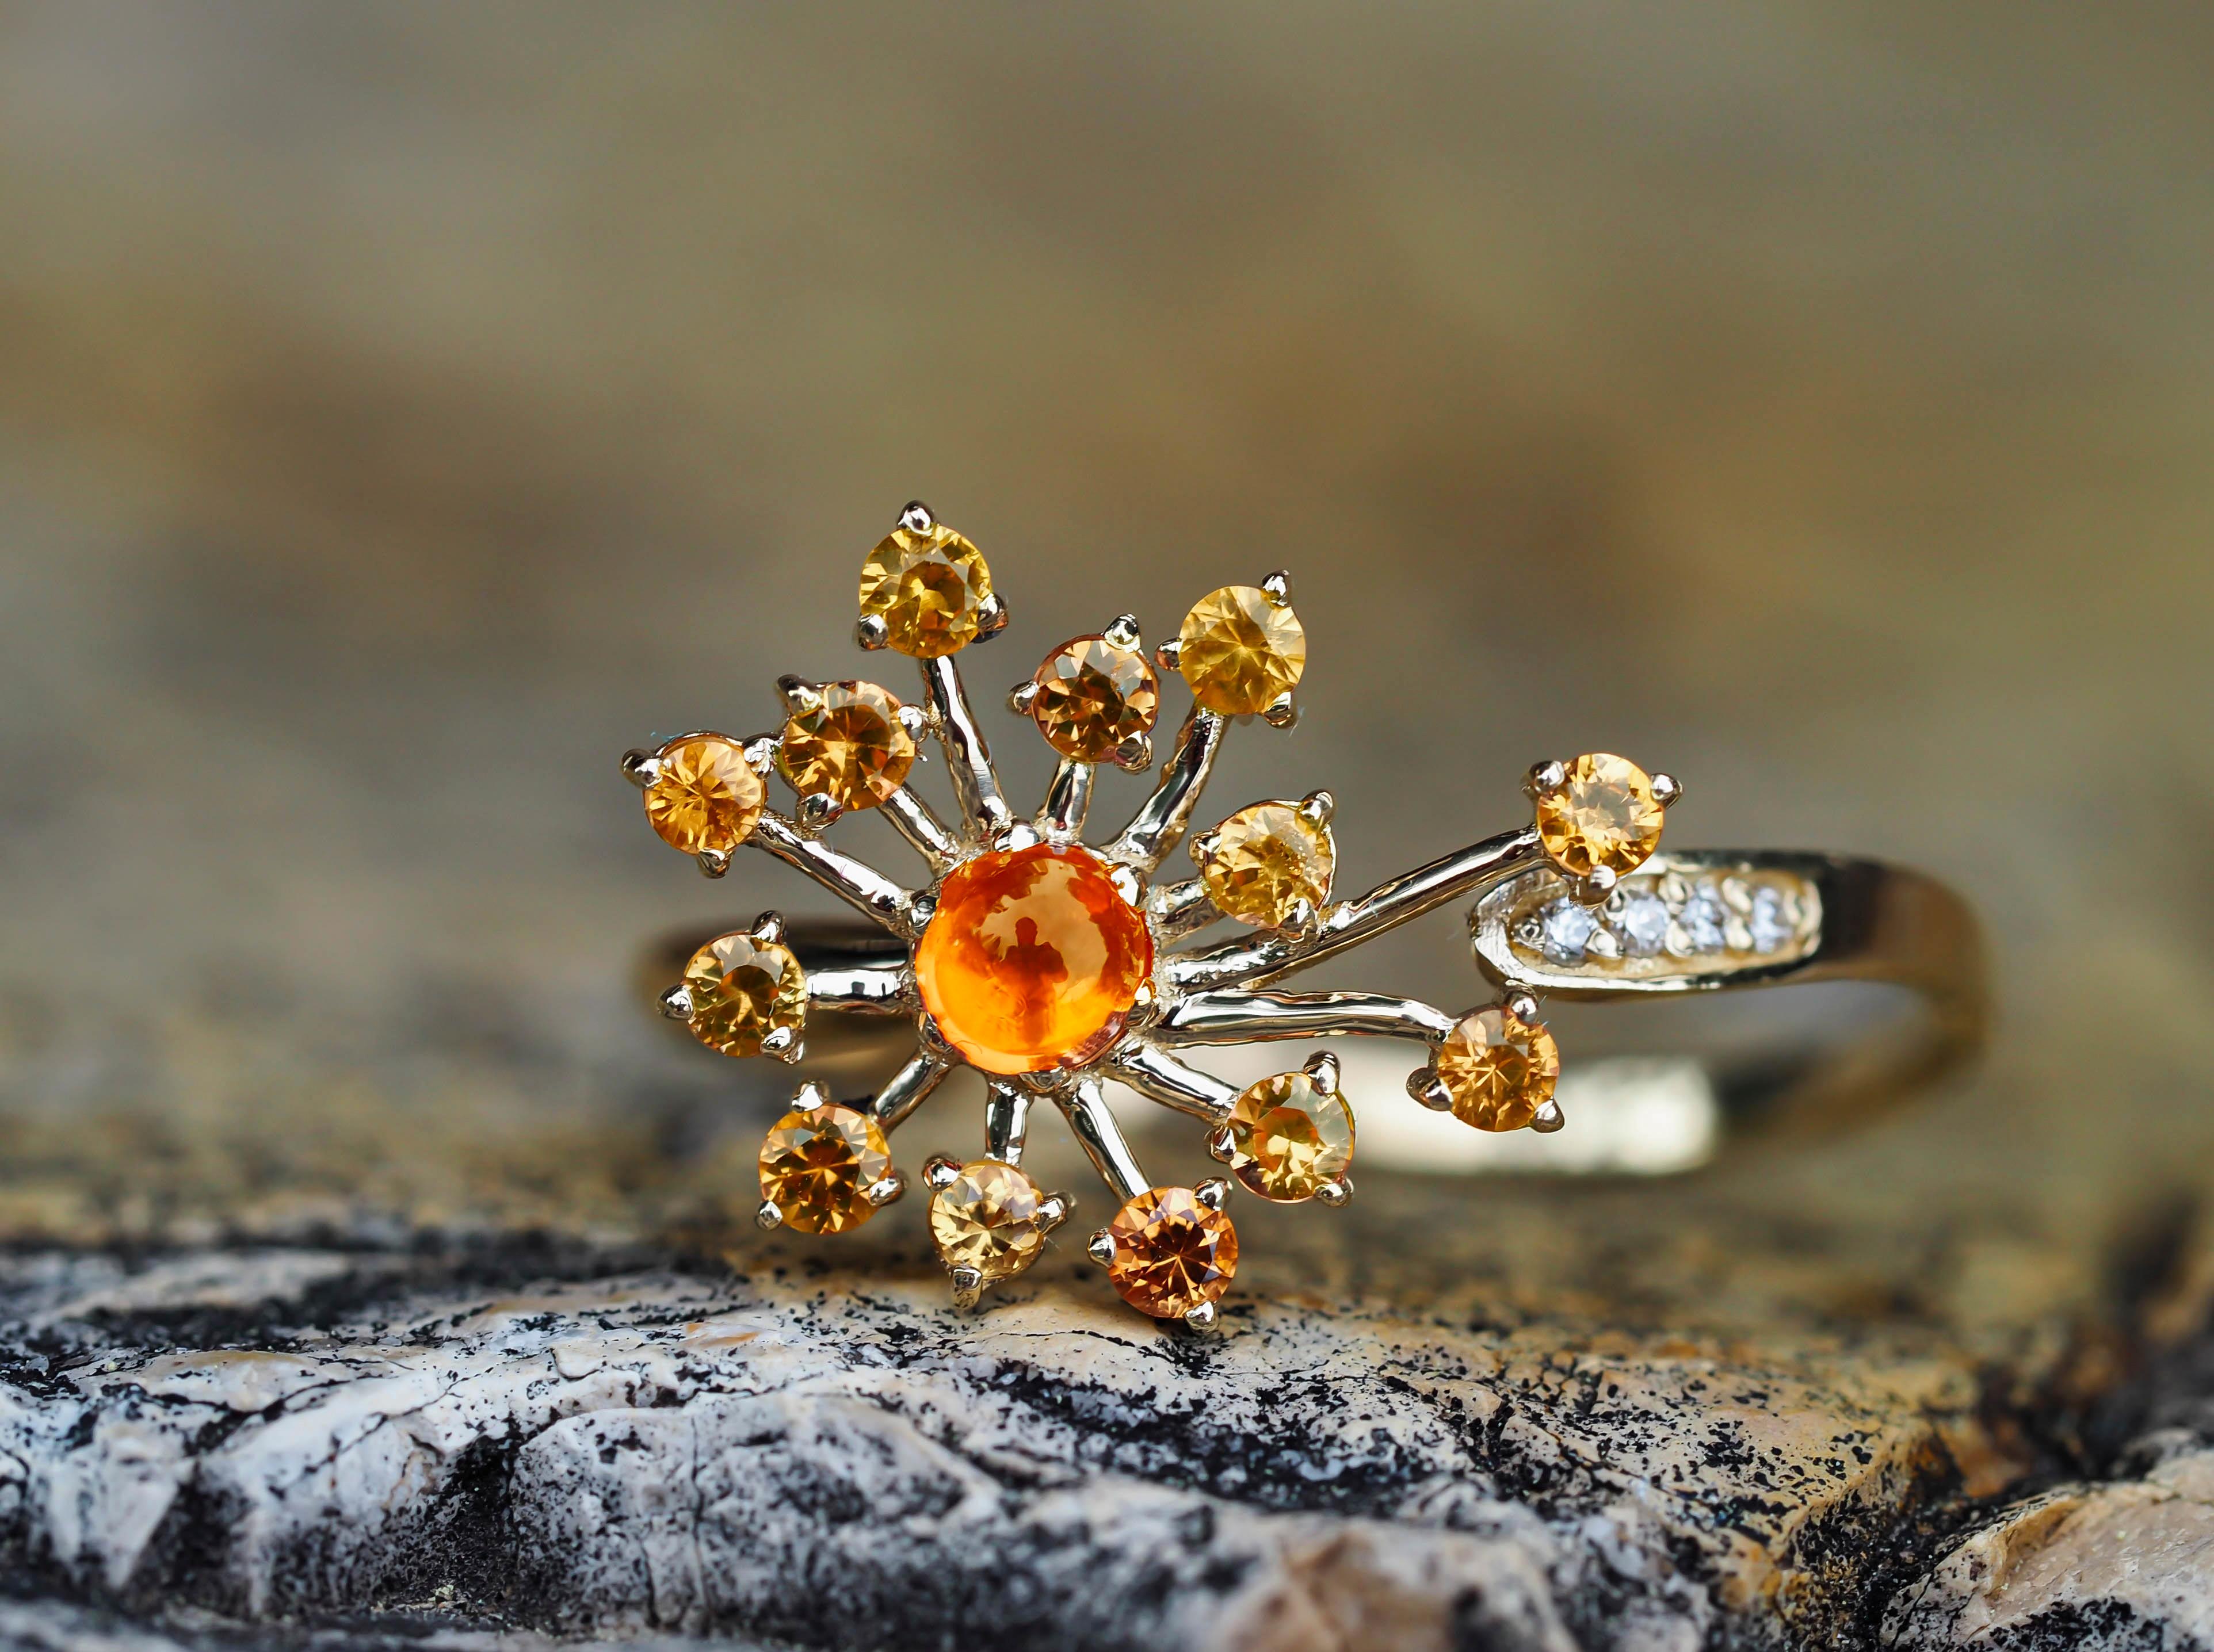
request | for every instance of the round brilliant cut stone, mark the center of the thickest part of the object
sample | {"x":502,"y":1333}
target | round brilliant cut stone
{"x":1644,"y":925}
{"x":1499,"y":1068}
{"x":987,"y":1218}
{"x":817,"y":1165}
{"x":851,"y":747}
{"x":1172,"y":1252}
{"x":706,"y":796}
{"x":1263,"y":860}
{"x":928,"y":589}
{"x":1606,"y":816}
{"x":1239,"y":651}
{"x":1564,"y":930}
{"x":1289,"y":1138}
{"x":742,"y":990}
{"x":1092,"y":696}
{"x":1769,"y":926}
{"x":1701,"y":919}
{"x":1032,"y":958}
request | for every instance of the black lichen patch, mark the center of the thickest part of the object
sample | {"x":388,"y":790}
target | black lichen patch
{"x":2106,"y":1626}
{"x":465,"y":1545}
{"x":188,"y":1561}
{"x":1186,"y":1449}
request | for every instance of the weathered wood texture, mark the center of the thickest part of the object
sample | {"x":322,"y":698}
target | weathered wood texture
{"x":401,"y":412}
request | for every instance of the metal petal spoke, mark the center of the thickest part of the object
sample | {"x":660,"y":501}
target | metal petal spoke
{"x":909,"y":1087}
{"x":1092,"y":1123}
{"x":1006,"y":1121}
{"x":967,"y":757}
{"x":1179,"y":909}
{"x":868,"y":989}
{"x":859,"y":885}
{"x":1159,"y":1076}
{"x":1156,"y":826}
{"x":1271,"y":957}
{"x":1067,"y":801}
{"x":917,"y":822}
{"x":1234,"y":1017}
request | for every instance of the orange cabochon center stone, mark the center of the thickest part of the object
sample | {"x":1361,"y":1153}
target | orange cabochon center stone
{"x":1032,"y":959}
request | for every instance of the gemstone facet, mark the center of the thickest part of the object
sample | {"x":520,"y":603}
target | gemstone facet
{"x":817,"y":1165}
{"x":1767,"y":925}
{"x":1265,"y":860}
{"x":742,"y":990}
{"x":929,"y":588}
{"x":1564,"y":929}
{"x":1172,"y":1252}
{"x":1092,"y":696}
{"x":1239,"y":651}
{"x":987,"y":1218}
{"x":1499,"y":1068}
{"x":1032,"y":958}
{"x":1643,"y":923}
{"x":1289,"y":1138}
{"x":707,"y":795}
{"x":1604,"y":815}
{"x":1701,"y":922}
{"x":851,"y":747}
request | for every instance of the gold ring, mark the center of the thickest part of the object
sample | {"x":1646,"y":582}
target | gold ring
{"x":1057,"y":968}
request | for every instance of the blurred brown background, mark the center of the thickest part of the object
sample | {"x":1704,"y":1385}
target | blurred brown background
{"x":404,"y":408}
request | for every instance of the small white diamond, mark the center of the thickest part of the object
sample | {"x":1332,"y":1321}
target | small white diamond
{"x":1771,"y":929}
{"x":1643,"y":925}
{"x":1567,"y":928}
{"x":1702,"y":921}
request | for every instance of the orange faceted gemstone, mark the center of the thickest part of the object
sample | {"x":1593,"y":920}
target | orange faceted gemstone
{"x":929,"y":588}
{"x":850,"y":746}
{"x":1604,"y":815}
{"x":742,"y":990}
{"x":817,"y":1165}
{"x":1092,"y":695}
{"x":1172,"y":1252}
{"x":1033,"y":959}
{"x":1499,"y":1068}
{"x":707,"y":796}
{"x":1239,"y":650}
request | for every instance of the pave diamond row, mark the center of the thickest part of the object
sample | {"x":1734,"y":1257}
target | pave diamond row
{"x":1672,"y":916}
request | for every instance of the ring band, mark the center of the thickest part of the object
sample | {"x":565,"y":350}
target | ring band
{"x":1848,"y":920}
{"x":1851,"y":920}
{"x":1057,"y":965}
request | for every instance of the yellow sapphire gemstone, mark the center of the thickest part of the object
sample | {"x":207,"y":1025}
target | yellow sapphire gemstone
{"x":1265,"y":860}
{"x":1604,"y":816}
{"x":851,"y":747}
{"x":707,"y":795}
{"x":987,"y":1218}
{"x":1289,"y":1138}
{"x":1499,"y":1068}
{"x":928,"y":587}
{"x":817,"y":1165}
{"x":1239,"y":651}
{"x":743,"y":989}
